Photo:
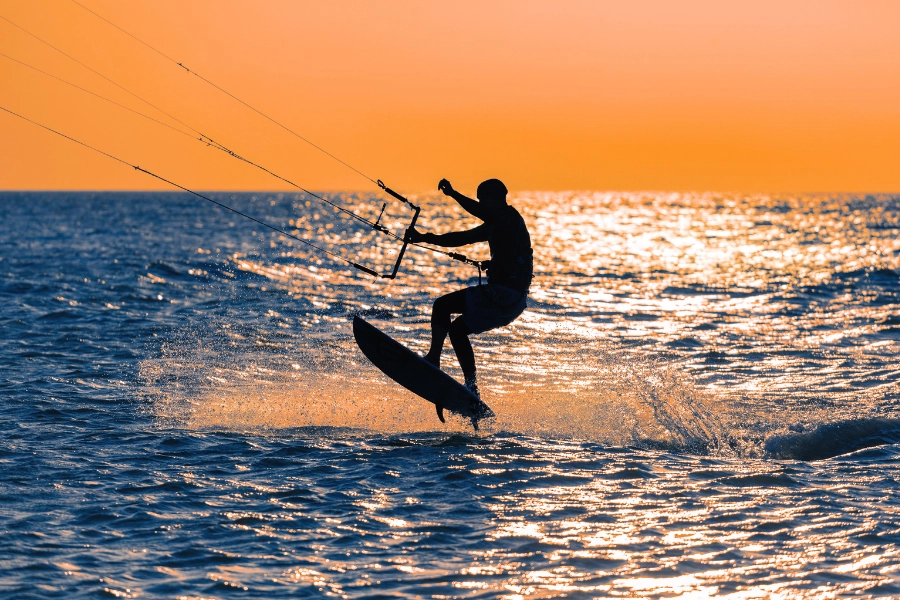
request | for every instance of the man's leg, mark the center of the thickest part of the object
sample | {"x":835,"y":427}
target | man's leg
{"x":459,"y":337}
{"x":454,"y":302}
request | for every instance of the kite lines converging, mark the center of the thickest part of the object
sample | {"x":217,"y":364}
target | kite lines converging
{"x":188,"y":130}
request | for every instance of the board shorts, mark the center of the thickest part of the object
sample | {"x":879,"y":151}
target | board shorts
{"x":491,"y":306}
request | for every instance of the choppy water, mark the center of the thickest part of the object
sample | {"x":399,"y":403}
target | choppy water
{"x":701,"y":401}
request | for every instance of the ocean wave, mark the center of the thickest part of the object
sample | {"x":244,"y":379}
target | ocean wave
{"x":834,"y":439}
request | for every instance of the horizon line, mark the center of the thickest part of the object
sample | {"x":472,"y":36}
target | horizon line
{"x":375,"y":191}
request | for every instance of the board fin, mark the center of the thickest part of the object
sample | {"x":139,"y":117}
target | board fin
{"x":480,"y":411}
{"x":440,"y":412}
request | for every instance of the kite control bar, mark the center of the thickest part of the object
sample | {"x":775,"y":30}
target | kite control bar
{"x":412,"y":224}
{"x":480,"y":264}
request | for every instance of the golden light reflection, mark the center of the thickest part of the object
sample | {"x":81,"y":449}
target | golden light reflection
{"x":711,"y":531}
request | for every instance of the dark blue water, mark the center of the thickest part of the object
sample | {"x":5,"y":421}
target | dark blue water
{"x":701,"y":400}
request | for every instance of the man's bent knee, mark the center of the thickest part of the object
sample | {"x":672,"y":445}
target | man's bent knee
{"x":440,"y":313}
{"x":459,"y":329}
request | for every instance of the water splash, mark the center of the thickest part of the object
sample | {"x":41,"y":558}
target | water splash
{"x":214,"y":382}
{"x":608,"y":397}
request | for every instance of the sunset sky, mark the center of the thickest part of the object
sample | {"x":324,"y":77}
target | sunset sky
{"x":656,"y":95}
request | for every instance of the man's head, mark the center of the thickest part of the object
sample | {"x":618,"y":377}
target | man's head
{"x":492,"y":194}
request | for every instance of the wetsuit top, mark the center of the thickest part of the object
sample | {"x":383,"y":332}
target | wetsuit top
{"x":512,"y":262}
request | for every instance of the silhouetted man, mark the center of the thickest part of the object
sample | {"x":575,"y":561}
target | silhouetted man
{"x":509,"y":273}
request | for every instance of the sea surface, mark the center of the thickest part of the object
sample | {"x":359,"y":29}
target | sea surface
{"x":701,"y":401}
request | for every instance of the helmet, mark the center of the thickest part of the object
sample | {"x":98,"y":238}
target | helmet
{"x":492,"y":190}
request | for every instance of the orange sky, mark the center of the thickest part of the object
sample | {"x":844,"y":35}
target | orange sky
{"x":575,"y":94}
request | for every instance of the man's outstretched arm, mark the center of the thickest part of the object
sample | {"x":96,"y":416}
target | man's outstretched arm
{"x":472,"y":207}
{"x":453,"y":239}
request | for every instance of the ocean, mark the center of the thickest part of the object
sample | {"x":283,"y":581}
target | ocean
{"x":700,"y":401}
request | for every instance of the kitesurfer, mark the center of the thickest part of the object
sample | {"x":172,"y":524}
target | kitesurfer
{"x":502,"y":299}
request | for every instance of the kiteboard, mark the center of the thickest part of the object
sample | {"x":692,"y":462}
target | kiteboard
{"x":418,"y":375}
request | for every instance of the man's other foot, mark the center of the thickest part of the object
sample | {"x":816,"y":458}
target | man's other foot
{"x":472,"y":384}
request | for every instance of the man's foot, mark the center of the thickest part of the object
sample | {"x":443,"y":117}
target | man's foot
{"x":472,"y":384}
